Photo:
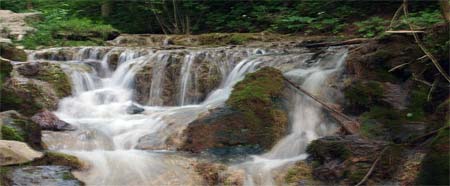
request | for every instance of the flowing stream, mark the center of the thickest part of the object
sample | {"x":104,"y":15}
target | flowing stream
{"x":108,"y":136}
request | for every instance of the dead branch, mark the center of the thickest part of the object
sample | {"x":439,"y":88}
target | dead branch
{"x":335,"y":112}
{"x":415,"y":140}
{"x":372,"y":167}
{"x":338,"y":43}
{"x":422,"y":47}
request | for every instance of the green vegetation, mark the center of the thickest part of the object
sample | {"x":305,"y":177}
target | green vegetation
{"x":73,"y":23}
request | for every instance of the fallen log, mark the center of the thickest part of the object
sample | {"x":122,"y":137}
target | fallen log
{"x":347,"y":123}
{"x":336,"y":43}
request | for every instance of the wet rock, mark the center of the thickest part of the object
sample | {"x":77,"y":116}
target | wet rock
{"x":49,"y":121}
{"x":42,"y":175}
{"x":14,"y":152}
{"x":48,"y":72}
{"x":134,"y":109}
{"x":252,"y":119}
{"x":27,"y":96}
{"x":56,"y":54}
{"x":9,"y":51}
{"x":16,"y":127}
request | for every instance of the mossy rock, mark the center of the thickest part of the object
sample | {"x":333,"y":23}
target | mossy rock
{"x":322,"y":150}
{"x":362,"y":95}
{"x":435,"y":165}
{"x":257,"y":97}
{"x":49,"y":72}
{"x":252,"y":119}
{"x":9,"y":51}
{"x":301,"y":172}
{"x":57,"y":158}
{"x":28,"y":97}
{"x":19,"y":128}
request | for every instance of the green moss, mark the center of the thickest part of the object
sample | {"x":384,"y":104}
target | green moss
{"x":57,"y":158}
{"x":300,"y":171}
{"x":418,"y":100}
{"x":357,"y":175}
{"x":362,"y":95}
{"x":435,"y":166}
{"x":255,"y":97}
{"x":54,"y":75}
{"x":321,"y":149}
{"x":10,"y":133}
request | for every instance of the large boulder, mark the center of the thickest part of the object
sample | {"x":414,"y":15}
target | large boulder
{"x":253,"y":118}
{"x":15,"y":152}
{"x":16,"y":127}
{"x":49,"y":121}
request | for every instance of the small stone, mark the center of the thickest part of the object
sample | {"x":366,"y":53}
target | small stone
{"x":49,"y":121}
{"x":134,"y":109}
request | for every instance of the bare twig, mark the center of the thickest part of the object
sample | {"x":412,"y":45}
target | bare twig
{"x":398,"y":66}
{"x":433,"y":86}
{"x":421,"y":46}
{"x":372,"y":167}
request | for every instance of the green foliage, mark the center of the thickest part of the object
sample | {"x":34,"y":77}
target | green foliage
{"x":421,"y":19}
{"x":372,"y":27}
{"x":62,"y":28}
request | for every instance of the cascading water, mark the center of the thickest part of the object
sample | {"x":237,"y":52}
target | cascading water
{"x":108,"y":137}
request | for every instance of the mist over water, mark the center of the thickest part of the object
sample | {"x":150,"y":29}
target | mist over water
{"x":107,"y":136}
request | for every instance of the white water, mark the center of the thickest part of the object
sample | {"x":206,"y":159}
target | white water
{"x":107,"y":136}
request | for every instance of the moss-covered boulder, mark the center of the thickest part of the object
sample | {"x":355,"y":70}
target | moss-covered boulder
{"x":346,"y":160}
{"x":252,"y":120}
{"x":50,"y":73}
{"x":9,"y":51}
{"x":28,"y":96}
{"x":16,"y":127}
{"x":435,"y":166}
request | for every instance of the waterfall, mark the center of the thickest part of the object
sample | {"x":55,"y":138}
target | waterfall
{"x":308,"y":121}
{"x":108,"y":137}
{"x":185,"y":77}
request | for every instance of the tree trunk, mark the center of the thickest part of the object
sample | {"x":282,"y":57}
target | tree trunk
{"x":106,"y":8}
{"x":445,"y":8}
